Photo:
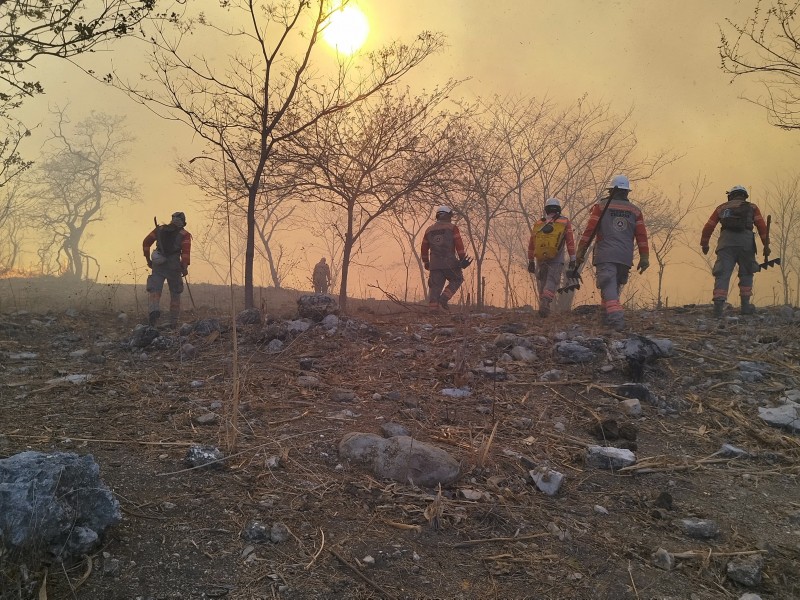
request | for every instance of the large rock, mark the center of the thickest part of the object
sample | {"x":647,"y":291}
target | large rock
{"x":572,"y":352}
{"x":786,"y":416}
{"x":316,"y":307}
{"x":143,"y":336}
{"x":55,"y":508}
{"x":400,"y":458}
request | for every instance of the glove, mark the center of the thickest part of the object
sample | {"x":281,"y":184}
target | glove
{"x":427,"y":266}
{"x":644,"y":263}
{"x":572,"y":266}
{"x":465,"y":262}
{"x":766,"y":251}
{"x":184,"y":271}
{"x":704,"y":249}
{"x":531,"y":266}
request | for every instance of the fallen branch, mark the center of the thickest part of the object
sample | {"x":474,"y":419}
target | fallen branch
{"x":282,"y":421}
{"x":360,"y":574}
{"x":321,"y":546}
{"x":519,"y":538}
{"x":708,"y":554}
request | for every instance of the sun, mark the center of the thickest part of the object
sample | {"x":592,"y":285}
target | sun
{"x":346,"y":29}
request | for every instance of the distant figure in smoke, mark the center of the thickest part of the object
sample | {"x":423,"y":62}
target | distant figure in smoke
{"x":321,"y":277}
{"x":169,"y":262}
{"x":444,"y":256}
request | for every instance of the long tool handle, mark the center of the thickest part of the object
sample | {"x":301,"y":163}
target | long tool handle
{"x":766,"y":252}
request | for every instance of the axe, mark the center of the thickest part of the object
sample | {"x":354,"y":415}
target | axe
{"x":775,"y":261}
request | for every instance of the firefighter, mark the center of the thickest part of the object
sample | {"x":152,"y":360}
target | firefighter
{"x":736,"y":246}
{"x":549,"y":236}
{"x":617,"y":223}
{"x":443,"y":255}
{"x":169,"y":262}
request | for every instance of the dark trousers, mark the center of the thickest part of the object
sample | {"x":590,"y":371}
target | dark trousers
{"x":437,"y":280}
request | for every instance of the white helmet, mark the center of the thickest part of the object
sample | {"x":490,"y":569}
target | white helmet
{"x":738,"y":189}
{"x":552,"y":202}
{"x":443,"y":209}
{"x":620,"y":182}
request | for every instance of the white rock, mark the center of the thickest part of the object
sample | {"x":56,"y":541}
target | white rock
{"x":609,"y":458}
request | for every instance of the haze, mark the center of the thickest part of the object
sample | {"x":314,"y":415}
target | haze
{"x":660,"y":58}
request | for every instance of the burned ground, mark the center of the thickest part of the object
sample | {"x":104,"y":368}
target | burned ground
{"x":491,"y":535}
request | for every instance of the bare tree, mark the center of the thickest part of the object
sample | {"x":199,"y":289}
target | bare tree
{"x":13,"y":216}
{"x":508,"y":247}
{"x":767,"y":47}
{"x":783,"y":198}
{"x":666,"y":224}
{"x":80,"y":175}
{"x":269,"y":91}
{"x":531,"y":150}
{"x":33,"y":29}
{"x":368,"y":159}
{"x":406,"y":224}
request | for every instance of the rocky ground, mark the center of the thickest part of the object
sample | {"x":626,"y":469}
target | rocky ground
{"x":698,"y":498}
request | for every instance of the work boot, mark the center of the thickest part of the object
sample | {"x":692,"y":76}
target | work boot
{"x":443,"y":300}
{"x":747,"y":308}
{"x":153,"y":317}
{"x":719,"y":307}
{"x":172,"y":321}
{"x":616,"y":321}
{"x":544,"y":307}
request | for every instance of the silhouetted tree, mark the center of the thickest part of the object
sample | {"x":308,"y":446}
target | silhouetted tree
{"x":82,"y":172}
{"x":271,"y":88}
{"x":767,"y":47}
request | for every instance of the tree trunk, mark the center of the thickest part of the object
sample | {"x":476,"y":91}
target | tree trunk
{"x":249,"y":254}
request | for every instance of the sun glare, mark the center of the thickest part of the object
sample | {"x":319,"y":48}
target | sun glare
{"x":346,"y":29}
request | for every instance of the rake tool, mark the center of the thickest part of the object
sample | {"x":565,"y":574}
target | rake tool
{"x":775,"y":261}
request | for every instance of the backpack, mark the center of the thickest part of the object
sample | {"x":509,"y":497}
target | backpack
{"x":549,"y":238}
{"x":168,"y":241}
{"x":736,"y":217}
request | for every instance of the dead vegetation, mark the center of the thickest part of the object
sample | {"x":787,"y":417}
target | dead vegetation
{"x":492,"y":535}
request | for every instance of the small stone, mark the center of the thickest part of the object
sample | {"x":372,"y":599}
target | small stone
{"x":746,"y":570}
{"x":552,"y":375}
{"x":456,"y":392}
{"x":188,"y":351}
{"x":663,"y":559}
{"x":702,"y":529}
{"x":308,"y":381}
{"x":547,"y":480}
{"x":197,"y":383}
{"x":609,"y":458}
{"x":523,"y":354}
{"x":632,"y":407}
{"x":368,"y":560}
{"x":200,"y":456}
{"x":208,"y":418}
{"x":255,"y":531}
{"x":342,"y":395}
{"x":279,"y":533}
{"x":274,"y":346}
